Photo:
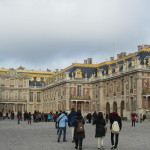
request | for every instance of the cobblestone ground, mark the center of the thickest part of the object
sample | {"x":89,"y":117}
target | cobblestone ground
{"x":42,"y":136}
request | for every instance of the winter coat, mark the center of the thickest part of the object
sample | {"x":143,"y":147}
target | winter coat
{"x":29,"y":116}
{"x":117,"y":118}
{"x":71,"y":118}
{"x":133,"y":117}
{"x":75,"y":123}
{"x":62,"y":119}
{"x":100,"y":127}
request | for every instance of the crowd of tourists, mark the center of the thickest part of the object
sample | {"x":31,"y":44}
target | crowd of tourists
{"x":76,"y":123}
{"x":27,"y":116}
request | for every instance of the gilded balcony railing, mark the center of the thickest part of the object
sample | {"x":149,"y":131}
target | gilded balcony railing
{"x":80,"y":97}
{"x":146,"y":91}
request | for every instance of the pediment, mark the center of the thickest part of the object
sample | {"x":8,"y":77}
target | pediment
{"x":12,"y":73}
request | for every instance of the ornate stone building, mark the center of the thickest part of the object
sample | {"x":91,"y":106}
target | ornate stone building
{"x":20,"y":89}
{"x":121,"y":85}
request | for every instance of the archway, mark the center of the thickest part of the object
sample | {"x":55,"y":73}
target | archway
{"x":114,"y":107}
{"x":107,"y":108}
{"x":121,"y":108}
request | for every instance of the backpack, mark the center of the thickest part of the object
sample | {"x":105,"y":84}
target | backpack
{"x":80,"y":127}
{"x":115,"y":127}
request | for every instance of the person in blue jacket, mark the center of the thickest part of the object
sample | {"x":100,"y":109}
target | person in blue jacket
{"x":71,"y":118}
{"x":48,"y":117}
{"x":61,"y":120}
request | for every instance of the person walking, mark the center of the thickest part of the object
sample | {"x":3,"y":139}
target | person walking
{"x":61,"y":120}
{"x":71,"y":118}
{"x":107,"y":117}
{"x":144,"y":117}
{"x":29,"y":118}
{"x":133,"y":118}
{"x":55,"y":119}
{"x":141,"y":118}
{"x":79,"y":132}
{"x":100,"y":130}
{"x":115,"y":126}
{"x":19,"y":117}
{"x":94,"y":116}
{"x":89,"y":117}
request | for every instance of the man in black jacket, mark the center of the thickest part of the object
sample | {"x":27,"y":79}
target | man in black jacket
{"x":115,"y":117}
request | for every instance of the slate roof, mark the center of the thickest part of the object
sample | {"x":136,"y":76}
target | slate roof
{"x":37,"y":83}
{"x":89,"y":70}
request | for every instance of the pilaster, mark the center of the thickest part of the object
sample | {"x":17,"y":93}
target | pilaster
{"x":139,"y":90}
{"x":101,"y":96}
{"x":67,"y":96}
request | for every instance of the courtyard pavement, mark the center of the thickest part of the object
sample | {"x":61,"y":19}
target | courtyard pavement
{"x":42,"y":136}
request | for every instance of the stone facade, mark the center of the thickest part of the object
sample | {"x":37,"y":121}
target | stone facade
{"x":121,"y":85}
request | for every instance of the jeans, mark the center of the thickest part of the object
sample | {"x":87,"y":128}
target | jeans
{"x":79,"y":142}
{"x":18,"y":120}
{"x":112,"y":139}
{"x":133,"y":123}
{"x":29,"y":121}
{"x":60,"y":132}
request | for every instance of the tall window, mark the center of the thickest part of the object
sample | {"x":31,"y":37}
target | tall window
{"x":31,"y":96}
{"x":131,"y":81}
{"x":107,"y":88}
{"x":78,"y":90}
{"x":38,"y":96}
{"x":114,"y":86}
{"x":11,"y":82}
{"x":20,"y":83}
{"x":122,"y":83}
{"x":19,"y":95}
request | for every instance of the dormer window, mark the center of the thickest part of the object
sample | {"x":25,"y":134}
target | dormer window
{"x":78,"y":73}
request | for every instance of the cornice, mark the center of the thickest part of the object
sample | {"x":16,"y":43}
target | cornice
{"x":29,"y":71}
{"x":13,"y":88}
{"x":120,"y":74}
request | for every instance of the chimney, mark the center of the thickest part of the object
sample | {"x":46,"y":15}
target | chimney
{"x":140,"y":47}
{"x":89,"y":60}
{"x":85,"y":61}
{"x":56,"y":70}
{"x":111,"y":58}
{"x":118,"y":56}
{"x":122,"y":54}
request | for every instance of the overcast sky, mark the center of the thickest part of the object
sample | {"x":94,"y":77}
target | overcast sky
{"x":41,"y":34}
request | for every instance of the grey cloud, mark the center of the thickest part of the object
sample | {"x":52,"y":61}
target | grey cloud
{"x":54,"y":34}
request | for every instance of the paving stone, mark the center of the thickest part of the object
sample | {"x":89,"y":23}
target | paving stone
{"x":42,"y":136}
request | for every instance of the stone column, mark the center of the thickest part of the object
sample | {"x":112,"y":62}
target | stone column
{"x":118,"y":110}
{"x":22,"y":108}
{"x":84,"y":106}
{"x":5,"y":107}
{"x":101,"y":100}
{"x":146,"y":102}
{"x":67,"y":97}
{"x":76,"y":105}
{"x":90,"y":106}
{"x":14,"y":107}
{"x":139,"y":93}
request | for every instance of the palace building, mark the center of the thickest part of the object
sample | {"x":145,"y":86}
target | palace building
{"x":121,"y":85}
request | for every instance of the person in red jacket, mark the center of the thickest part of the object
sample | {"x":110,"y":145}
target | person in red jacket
{"x":133,"y":118}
